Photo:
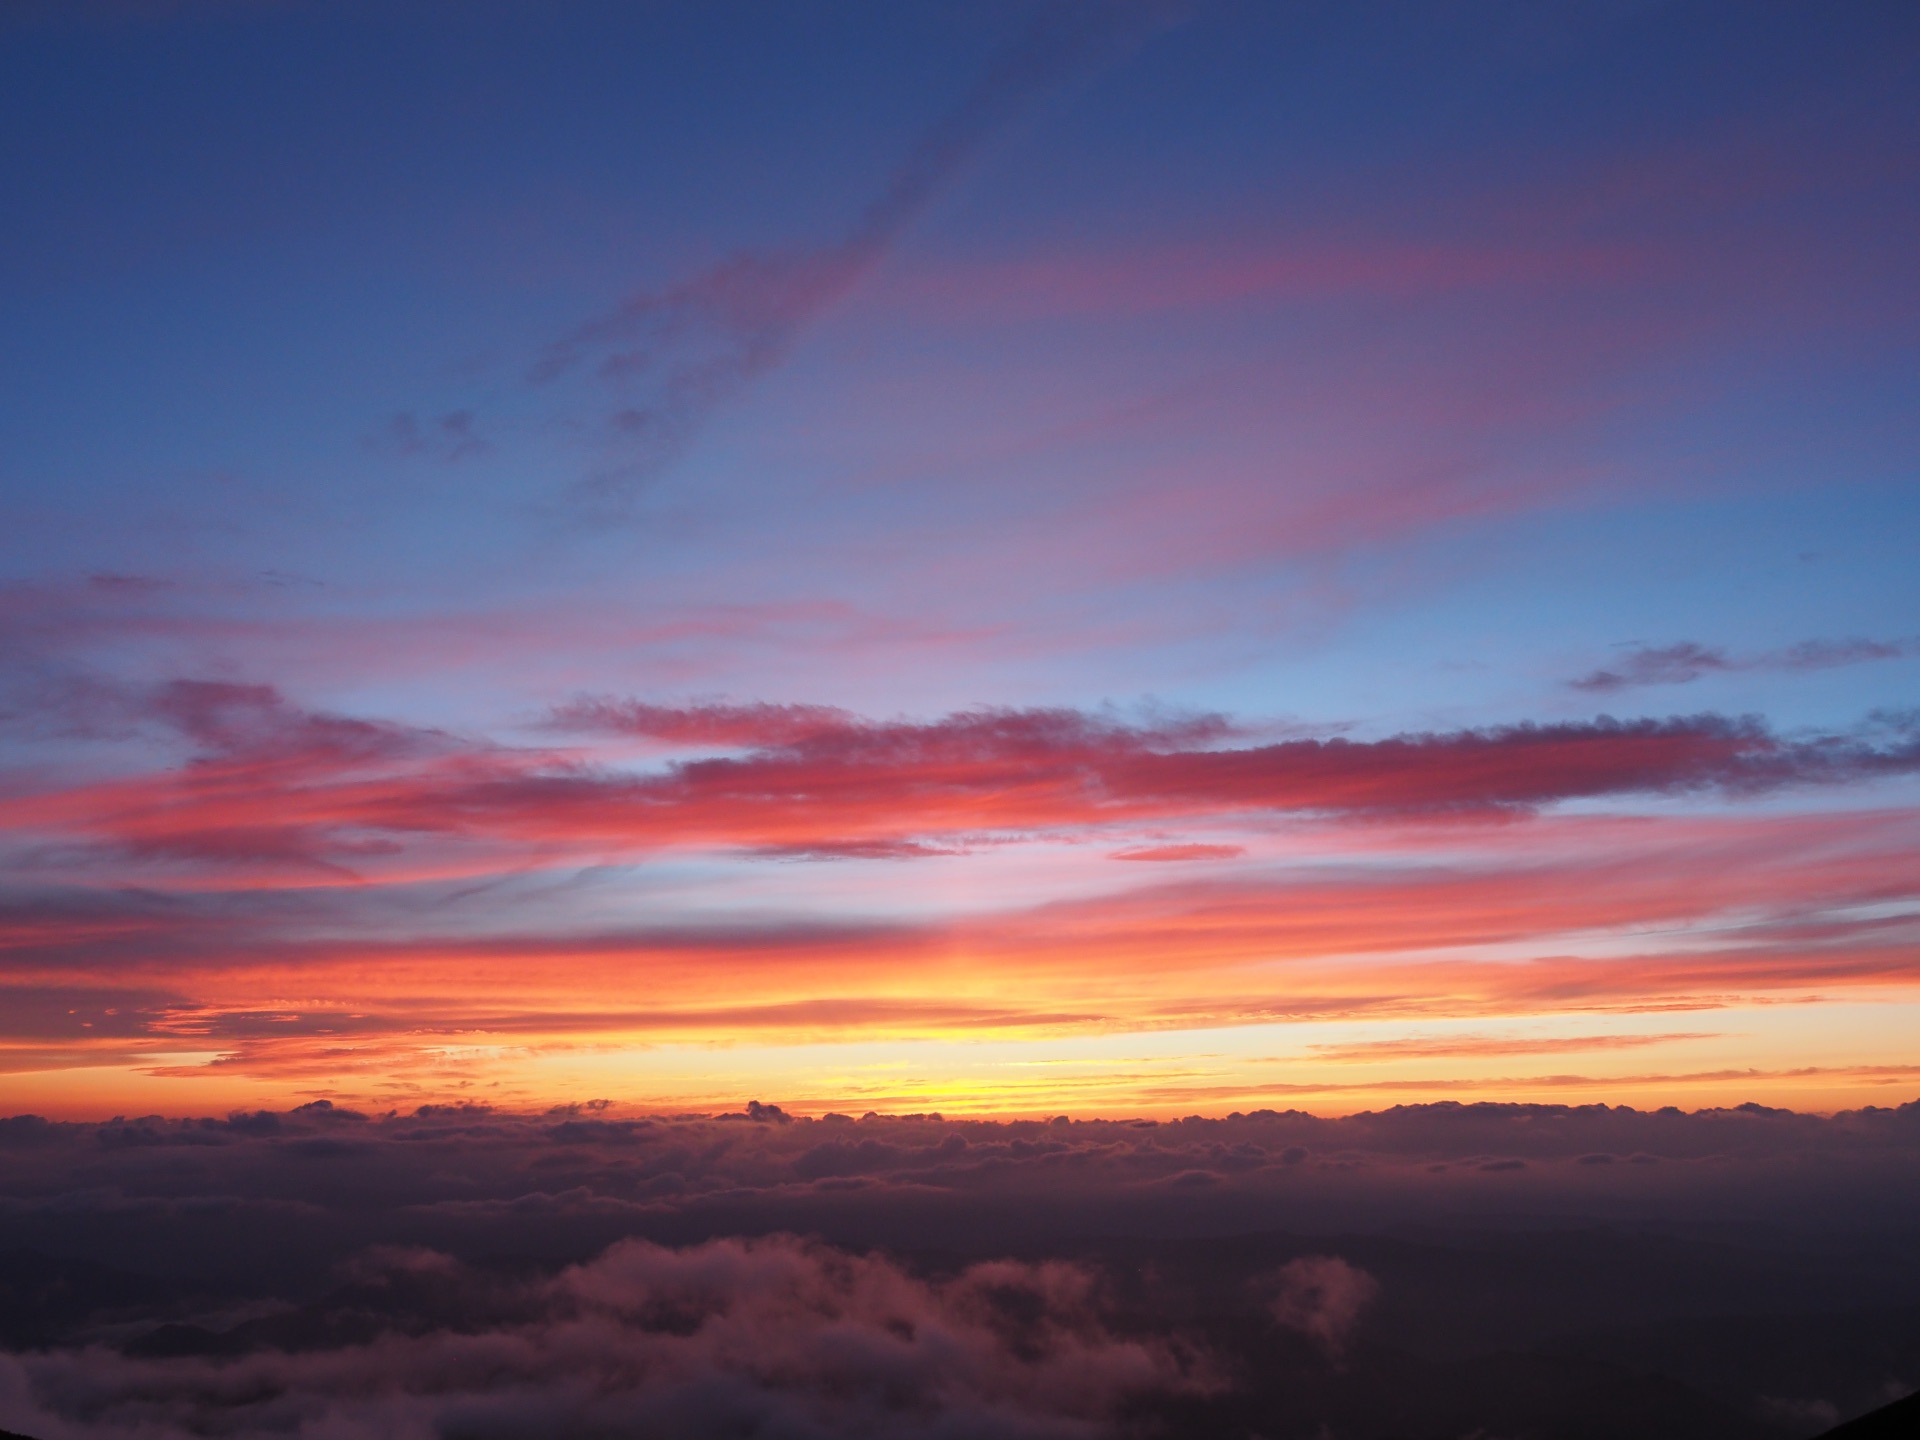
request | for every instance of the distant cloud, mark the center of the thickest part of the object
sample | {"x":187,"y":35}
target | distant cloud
{"x":714,"y":724}
{"x":1671,"y":665}
{"x":1685,"y":662}
{"x":1415,"y":1047}
{"x":734,"y":1336}
{"x":129,"y":586}
{"x":1180,"y":852}
{"x":451,"y":437}
{"x":772,"y":1171}
{"x":1322,"y":1297}
{"x":273,"y":781}
{"x":595,"y":1271}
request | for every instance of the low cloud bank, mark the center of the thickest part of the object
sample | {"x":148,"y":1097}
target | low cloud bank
{"x":220,"y":1198}
{"x":464,"y":1274}
{"x":774,"y":1336}
{"x":468,"y":1166}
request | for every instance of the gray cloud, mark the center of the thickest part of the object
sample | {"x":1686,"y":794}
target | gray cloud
{"x":1685,"y":662}
{"x":1322,"y":1297}
{"x":774,"y":1336}
{"x":459,"y":1273}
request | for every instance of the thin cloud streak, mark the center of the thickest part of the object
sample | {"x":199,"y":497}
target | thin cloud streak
{"x":681,"y":353}
{"x":278,"y":788}
{"x":1797,"y":910}
{"x":1413,"y":1047}
{"x":1683,"y":663}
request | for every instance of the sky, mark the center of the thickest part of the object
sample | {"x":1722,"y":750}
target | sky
{"x":1120,"y":559}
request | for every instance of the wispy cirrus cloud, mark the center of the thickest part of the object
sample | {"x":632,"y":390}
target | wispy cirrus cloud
{"x":676,"y":354}
{"x":449,"y":438}
{"x":1710,"y":919}
{"x":1191,"y":851}
{"x":1418,"y":1047}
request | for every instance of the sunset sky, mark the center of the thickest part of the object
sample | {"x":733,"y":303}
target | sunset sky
{"x":1108,"y":558}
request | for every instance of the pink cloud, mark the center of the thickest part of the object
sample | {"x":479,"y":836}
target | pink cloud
{"x":1323,"y":1297}
{"x":276,"y":786}
{"x":1180,"y":852}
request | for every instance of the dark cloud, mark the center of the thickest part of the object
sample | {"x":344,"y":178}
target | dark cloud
{"x":771,"y":1336}
{"x":595,"y":1155}
{"x":1825,"y":654}
{"x":462,"y":1271}
{"x":1685,"y":662}
{"x":127,"y":585}
{"x":1670,"y":665}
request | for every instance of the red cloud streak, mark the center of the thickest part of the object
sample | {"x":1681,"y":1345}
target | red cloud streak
{"x":276,"y":787}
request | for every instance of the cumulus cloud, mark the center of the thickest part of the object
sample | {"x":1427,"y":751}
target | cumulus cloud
{"x":463,"y":1272}
{"x":1322,"y":1297}
{"x":773,"y":1336}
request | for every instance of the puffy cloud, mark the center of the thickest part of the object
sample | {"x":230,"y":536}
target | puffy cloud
{"x":768,"y":1336}
{"x":1322,"y":1297}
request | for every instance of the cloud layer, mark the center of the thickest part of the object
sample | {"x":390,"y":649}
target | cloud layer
{"x":157,"y":913}
{"x":459,"y":1271}
{"x":278,"y":786}
{"x":768,"y":1336}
